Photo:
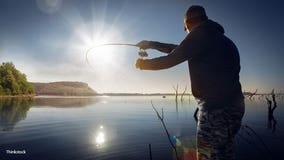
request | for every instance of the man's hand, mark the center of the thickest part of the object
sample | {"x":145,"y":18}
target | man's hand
{"x":139,"y":63}
{"x":145,"y":44}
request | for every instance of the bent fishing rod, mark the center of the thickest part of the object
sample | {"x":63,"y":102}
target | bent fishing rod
{"x":142,"y":53}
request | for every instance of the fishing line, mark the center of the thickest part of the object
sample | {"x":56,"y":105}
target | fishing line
{"x":142,"y":53}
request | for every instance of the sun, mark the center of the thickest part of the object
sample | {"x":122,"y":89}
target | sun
{"x":90,"y":40}
{"x":100,"y":54}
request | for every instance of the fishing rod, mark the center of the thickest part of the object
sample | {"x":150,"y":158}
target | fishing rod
{"x":142,"y":53}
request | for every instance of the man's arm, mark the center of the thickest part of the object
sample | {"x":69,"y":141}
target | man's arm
{"x":164,"y":62}
{"x":186,"y":50}
{"x":162,"y":47}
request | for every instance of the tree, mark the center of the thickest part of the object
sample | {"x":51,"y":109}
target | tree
{"x":1,"y":90}
{"x":12,"y":81}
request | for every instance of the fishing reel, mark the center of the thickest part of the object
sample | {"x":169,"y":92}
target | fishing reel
{"x":142,"y":53}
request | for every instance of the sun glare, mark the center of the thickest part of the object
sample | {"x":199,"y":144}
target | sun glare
{"x":101,"y":55}
{"x":91,"y":39}
{"x":85,"y":46}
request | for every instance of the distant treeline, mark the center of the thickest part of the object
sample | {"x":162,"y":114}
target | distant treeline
{"x":13,"y":82}
{"x":64,"y":89}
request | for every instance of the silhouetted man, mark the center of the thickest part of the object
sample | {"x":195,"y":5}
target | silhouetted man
{"x":214,"y":66}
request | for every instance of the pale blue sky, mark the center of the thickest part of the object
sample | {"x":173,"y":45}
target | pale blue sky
{"x":47,"y":40}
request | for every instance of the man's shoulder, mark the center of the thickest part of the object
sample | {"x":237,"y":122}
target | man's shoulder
{"x":193,"y":36}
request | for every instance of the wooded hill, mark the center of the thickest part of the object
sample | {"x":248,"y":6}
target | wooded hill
{"x":13,"y":82}
{"x":64,"y":89}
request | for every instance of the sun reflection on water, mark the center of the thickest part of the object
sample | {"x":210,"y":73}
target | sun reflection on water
{"x":100,"y":138}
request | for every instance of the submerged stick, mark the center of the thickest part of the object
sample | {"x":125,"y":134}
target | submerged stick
{"x":183,"y":93}
{"x":252,"y":94}
{"x":251,"y":133}
{"x":176,"y":91}
{"x":150,"y":151}
{"x":252,"y":143}
{"x":259,"y":138}
{"x":165,"y":128}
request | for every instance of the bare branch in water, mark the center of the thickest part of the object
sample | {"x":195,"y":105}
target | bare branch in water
{"x":161,"y":118}
{"x":251,"y":133}
{"x":150,"y":151}
{"x":176,"y":91}
{"x":271,"y":121}
{"x":274,"y":100}
{"x":252,"y":94}
{"x":183,"y":93}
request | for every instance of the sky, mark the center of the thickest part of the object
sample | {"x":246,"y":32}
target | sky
{"x":48,"y":39}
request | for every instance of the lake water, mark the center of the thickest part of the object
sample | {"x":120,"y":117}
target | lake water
{"x":122,"y":127}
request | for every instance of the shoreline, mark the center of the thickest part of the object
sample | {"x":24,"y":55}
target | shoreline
{"x":109,"y":94}
{"x":18,"y":96}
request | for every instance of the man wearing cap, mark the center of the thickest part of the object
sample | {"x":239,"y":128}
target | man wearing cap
{"x":214,"y":66}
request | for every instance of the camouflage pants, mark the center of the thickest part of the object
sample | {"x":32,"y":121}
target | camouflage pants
{"x":216,"y":131}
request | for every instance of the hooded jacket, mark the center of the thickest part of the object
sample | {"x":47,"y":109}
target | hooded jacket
{"x":213,"y":60}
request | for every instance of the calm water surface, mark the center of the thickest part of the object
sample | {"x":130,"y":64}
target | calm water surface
{"x":122,"y":128}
